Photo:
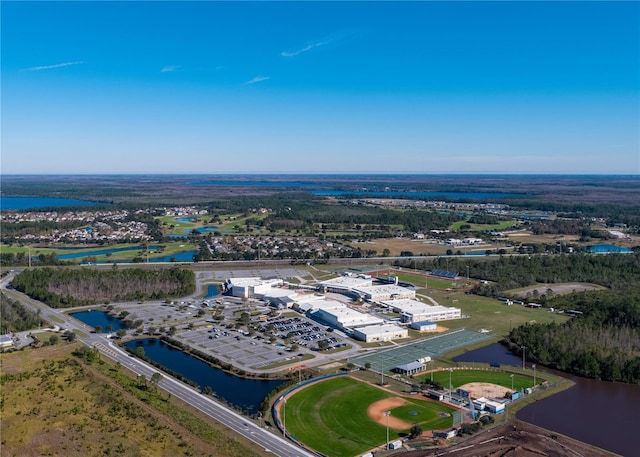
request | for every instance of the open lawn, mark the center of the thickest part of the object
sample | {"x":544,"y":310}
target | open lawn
{"x":331,"y":416}
{"x":502,"y":225}
{"x":488,"y":313}
{"x":461,"y":377}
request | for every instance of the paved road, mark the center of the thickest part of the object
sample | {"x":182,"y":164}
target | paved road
{"x":269,"y":441}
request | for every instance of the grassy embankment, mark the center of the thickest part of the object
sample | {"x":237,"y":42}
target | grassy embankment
{"x":56,"y":404}
{"x":166,"y":250}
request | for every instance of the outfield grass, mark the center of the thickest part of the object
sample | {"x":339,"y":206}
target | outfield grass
{"x":461,"y":377}
{"x":331,"y":416}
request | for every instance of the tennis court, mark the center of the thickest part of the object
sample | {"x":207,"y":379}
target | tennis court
{"x":431,"y":347}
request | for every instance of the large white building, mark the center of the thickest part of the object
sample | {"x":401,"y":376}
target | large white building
{"x":251,"y":287}
{"x":344,"y":317}
{"x":416,"y":311}
{"x":384,"y":332}
{"x":385,"y":292}
{"x":347,"y":283}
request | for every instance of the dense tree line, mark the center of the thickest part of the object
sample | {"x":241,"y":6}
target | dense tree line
{"x":602,"y":343}
{"x":16,"y":317}
{"x":63,"y":287}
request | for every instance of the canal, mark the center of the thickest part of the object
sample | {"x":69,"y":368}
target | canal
{"x":244,"y":394}
{"x":604,"y":414}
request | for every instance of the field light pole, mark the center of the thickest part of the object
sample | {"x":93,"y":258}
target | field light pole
{"x":524,"y":348}
{"x":450,"y":371}
{"x":511,"y":383}
{"x":284,"y":420}
{"x":387,"y":413}
{"x":432,"y":371}
{"x":534,"y":374}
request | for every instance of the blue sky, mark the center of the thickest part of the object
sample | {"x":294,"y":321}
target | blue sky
{"x":362,"y":87}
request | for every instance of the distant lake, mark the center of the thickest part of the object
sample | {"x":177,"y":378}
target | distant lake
{"x":414,"y":194}
{"x":20,"y":203}
{"x":240,"y":183}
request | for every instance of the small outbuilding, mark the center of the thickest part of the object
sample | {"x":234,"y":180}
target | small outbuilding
{"x":410,"y":368}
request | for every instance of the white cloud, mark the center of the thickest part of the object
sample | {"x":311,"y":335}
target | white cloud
{"x":170,"y":68}
{"x":305,"y":49}
{"x":257,"y":79}
{"x":51,"y":67}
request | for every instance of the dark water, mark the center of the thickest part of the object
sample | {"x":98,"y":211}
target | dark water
{"x":95,"y":318}
{"x":92,"y":252}
{"x":20,"y":203}
{"x":600,"y":413}
{"x":246,"y":394}
{"x":607,"y":249}
{"x":184,"y":256}
{"x":419,"y":194}
{"x":212,"y":291}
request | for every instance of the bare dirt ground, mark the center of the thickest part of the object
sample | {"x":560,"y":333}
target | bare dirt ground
{"x":559,"y":289}
{"x":515,"y":439}
{"x":479,"y":389}
{"x":377,"y":409}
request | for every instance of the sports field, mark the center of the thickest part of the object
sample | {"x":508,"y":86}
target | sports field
{"x":461,"y":377}
{"x":432,"y":347}
{"x":334,"y":416}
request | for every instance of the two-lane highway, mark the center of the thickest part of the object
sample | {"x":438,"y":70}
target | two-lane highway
{"x":269,"y":441}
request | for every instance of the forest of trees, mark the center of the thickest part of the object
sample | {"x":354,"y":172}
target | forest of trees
{"x":15,"y":317}
{"x":602,"y":343}
{"x":64,"y":287}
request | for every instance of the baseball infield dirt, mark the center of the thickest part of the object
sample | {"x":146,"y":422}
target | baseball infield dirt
{"x":377,"y":409}
{"x":484,"y":389}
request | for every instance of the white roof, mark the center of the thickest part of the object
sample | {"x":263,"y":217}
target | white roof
{"x":351,"y":318}
{"x":348,"y":282}
{"x":252,"y":281}
{"x":389,"y":289}
{"x":378,"y":329}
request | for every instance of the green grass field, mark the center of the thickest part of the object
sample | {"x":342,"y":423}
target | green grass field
{"x":461,"y":377}
{"x":331,"y":416}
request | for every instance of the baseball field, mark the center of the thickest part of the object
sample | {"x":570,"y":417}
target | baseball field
{"x":344,"y":417}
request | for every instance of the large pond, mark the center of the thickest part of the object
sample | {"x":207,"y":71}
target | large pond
{"x":245,"y":394}
{"x":95,"y":317}
{"x":600,"y":413}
